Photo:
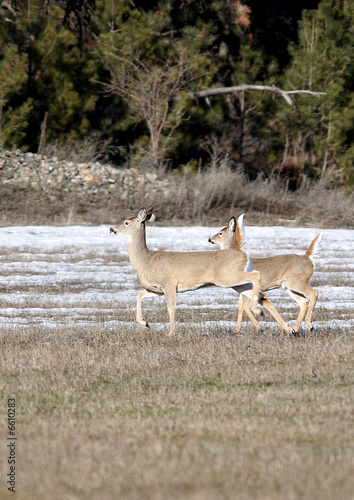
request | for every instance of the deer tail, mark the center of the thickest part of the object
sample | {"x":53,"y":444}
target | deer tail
{"x":313,"y":249}
{"x":240,"y":233}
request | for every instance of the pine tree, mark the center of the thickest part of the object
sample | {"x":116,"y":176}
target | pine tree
{"x":317,"y":134}
{"x":49,"y":73}
{"x":204,"y":37}
{"x":13,"y":75}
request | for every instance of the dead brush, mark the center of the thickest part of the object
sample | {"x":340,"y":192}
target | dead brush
{"x":200,"y":413}
{"x":106,"y":409}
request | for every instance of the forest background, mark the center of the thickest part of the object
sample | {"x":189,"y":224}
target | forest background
{"x":129,"y":78}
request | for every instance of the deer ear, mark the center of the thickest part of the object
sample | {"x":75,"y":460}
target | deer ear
{"x":232,"y":224}
{"x":142,"y":214}
{"x":149,"y":214}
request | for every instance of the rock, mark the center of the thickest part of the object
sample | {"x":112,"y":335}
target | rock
{"x":48,"y":175}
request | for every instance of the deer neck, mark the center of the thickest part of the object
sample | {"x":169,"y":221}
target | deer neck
{"x":138,"y":251}
{"x":231,"y":243}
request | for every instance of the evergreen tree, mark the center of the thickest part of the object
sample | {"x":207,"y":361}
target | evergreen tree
{"x":47,"y":72}
{"x":210,"y":36}
{"x":13,"y":123}
{"x":55,"y":55}
{"x":317,"y":134}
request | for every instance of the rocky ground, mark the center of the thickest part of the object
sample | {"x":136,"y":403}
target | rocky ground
{"x":36,"y":189}
{"x":28,"y":171}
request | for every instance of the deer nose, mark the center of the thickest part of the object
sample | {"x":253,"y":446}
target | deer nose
{"x":210,"y":240}
{"x":112,"y":230}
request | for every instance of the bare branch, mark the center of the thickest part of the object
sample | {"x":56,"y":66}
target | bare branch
{"x":150,"y":90}
{"x":241,"y":88}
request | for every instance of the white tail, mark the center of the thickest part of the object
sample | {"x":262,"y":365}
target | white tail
{"x":290,"y":272}
{"x":313,"y":249}
{"x":171,"y":272}
{"x":240,"y":232}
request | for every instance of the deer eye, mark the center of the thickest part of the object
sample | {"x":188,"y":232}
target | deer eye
{"x":126,"y":223}
{"x":220,"y":234}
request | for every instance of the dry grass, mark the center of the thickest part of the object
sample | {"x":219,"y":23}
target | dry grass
{"x":106,"y":413}
{"x":208,"y":197}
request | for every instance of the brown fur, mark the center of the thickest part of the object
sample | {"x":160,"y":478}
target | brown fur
{"x":289,"y":271}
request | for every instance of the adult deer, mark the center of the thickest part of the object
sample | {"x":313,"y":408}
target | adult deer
{"x":167,"y":273}
{"x":288,"y":271}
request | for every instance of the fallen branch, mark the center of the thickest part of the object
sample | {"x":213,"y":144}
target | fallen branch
{"x":245,"y":86}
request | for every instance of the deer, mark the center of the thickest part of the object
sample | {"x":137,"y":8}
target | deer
{"x":168,"y":273}
{"x":290,"y":272}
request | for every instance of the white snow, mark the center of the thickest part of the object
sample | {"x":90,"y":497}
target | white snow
{"x":81,"y":275}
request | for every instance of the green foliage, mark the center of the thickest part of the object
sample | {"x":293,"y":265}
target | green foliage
{"x":15,"y":123}
{"x":66,"y":82}
{"x":318,"y":129}
{"x":12,"y":70}
{"x":50,"y":65}
{"x":250,"y":66}
{"x":47,"y":73}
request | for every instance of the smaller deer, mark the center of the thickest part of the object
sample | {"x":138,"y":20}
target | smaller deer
{"x":288,"y":271}
{"x":166,"y":273}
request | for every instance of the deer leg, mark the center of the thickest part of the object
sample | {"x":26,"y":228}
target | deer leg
{"x":239,"y":315}
{"x":254,"y":294}
{"x":303,"y":304}
{"x":313,"y":294}
{"x":246,"y":307}
{"x":269,"y":306}
{"x":139,"y":297}
{"x":249,"y":301}
{"x":171,"y":305}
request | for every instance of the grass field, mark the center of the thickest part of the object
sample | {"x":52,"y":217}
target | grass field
{"x":108,"y":410}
